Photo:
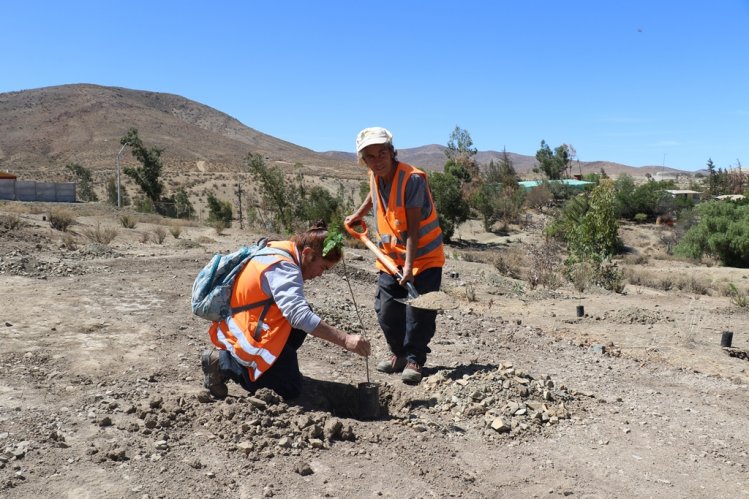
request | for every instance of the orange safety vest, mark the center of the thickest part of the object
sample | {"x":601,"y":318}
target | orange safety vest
{"x":391,"y":225}
{"x":255,"y":336}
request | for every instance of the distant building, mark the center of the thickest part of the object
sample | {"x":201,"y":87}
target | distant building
{"x":659,"y":176}
{"x":694,"y":196}
{"x":730,"y":197}
{"x":569,"y":182}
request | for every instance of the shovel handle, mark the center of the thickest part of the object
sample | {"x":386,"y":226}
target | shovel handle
{"x":382,"y":257}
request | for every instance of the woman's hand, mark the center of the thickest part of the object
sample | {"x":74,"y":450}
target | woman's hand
{"x":358,"y":344}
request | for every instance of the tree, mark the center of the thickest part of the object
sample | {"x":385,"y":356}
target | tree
{"x":722,"y":231}
{"x":275,"y":194}
{"x":554,"y":164}
{"x":502,"y":173}
{"x":182,"y":206}
{"x":589,"y":225}
{"x":147,"y":175}
{"x":219,"y":211}
{"x":498,"y":197}
{"x":112,"y":193}
{"x":452,"y":208}
{"x":460,"y":151}
{"x":85,"y":182}
{"x":712,"y":178}
{"x":461,"y":162}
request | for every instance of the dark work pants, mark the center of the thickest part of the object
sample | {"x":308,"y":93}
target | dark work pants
{"x":408,"y":330}
{"x":283,"y":377}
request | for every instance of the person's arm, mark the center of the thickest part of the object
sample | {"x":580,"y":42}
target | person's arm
{"x":365,"y":207}
{"x":284,"y":282}
{"x":351,"y":342}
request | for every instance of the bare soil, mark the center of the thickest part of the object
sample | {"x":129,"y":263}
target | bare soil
{"x":101,"y":389}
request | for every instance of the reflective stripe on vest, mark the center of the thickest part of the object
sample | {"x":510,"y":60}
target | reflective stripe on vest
{"x":255,"y":337}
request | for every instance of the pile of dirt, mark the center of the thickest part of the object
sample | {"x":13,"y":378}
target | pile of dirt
{"x":636,"y":315}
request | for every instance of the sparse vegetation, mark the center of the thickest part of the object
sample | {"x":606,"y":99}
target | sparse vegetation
{"x":738,"y":298}
{"x":99,"y":234}
{"x":127,"y":221}
{"x":85,"y":187}
{"x":11,"y":222}
{"x":219,"y":211}
{"x":175,"y":230}
{"x":159,"y":234}
{"x":61,"y":218}
{"x":722,"y":231}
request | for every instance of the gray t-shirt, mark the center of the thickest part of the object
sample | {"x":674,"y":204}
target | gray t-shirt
{"x":416,"y":194}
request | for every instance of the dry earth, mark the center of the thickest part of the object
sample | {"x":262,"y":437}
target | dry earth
{"x":100,"y":392}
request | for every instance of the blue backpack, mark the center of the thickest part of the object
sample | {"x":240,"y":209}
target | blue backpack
{"x":211,"y":291}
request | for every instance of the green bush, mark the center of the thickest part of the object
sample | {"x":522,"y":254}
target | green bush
{"x":641,"y":218}
{"x":219,"y":211}
{"x":721,"y":231}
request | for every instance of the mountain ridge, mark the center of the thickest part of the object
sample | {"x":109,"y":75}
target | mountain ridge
{"x":45,"y":128}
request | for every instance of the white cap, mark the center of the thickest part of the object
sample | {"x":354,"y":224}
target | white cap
{"x":373,"y":135}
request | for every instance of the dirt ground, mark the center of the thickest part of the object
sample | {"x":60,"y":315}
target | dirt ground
{"x":101,"y":396}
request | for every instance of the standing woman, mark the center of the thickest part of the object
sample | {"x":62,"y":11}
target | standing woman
{"x":408,"y":229}
{"x":257,"y":347}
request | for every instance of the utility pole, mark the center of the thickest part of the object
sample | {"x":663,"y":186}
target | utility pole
{"x":119,"y":196}
{"x":239,"y":197}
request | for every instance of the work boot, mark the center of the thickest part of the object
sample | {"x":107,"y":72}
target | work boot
{"x":411,"y":373}
{"x":213,"y":381}
{"x":394,"y":364}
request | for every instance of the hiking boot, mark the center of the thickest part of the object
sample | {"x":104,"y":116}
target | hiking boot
{"x":411,"y":373}
{"x":213,"y":381}
{"x":394,"y":364}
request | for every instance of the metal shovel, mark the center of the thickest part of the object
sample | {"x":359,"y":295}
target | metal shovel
{"x":388,"y":262}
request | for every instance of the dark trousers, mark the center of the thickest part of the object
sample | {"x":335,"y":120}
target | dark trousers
{"x":283,"y":377}
{"x":408,"y":330}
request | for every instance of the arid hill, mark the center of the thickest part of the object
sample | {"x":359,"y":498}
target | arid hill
{"x":48,"y":127}
{"x":43,"y":129}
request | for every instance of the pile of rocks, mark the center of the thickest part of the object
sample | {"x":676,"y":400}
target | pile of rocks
{"x":497,"y":399}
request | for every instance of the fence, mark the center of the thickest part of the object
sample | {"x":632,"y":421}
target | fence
{"x":29,"y":190}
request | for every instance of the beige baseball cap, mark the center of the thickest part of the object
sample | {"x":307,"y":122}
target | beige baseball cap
{"x":373,"y":135}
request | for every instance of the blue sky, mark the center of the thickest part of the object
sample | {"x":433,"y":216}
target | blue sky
{"x":641,"y":82}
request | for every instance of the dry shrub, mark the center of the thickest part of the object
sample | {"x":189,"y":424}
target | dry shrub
{"x":11,"y":222}
{"x":69,"y":241}
{"x":470,"y":292}
{"x":545,"y":260}
{"x":738,"y":297}
{"x":691,"y":284}
{"x":581,"y":275}
{"x":635,"y":259}
{"x":128,"y":222}
{"x":99,"y":234}
{"x":175,"y":230}
{"x":145,"y":237}
{"x":473,"y":256}
{"x":61,"y":218}
{"x":219,"y":226}
{"x":539,"y":197}
{"x":159,"y":234}
{"x":510,"y":263}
